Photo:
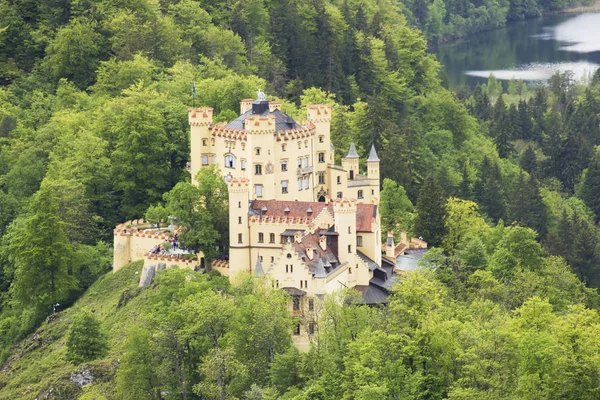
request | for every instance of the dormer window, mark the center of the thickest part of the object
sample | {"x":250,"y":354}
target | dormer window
{"x":287,"y":211}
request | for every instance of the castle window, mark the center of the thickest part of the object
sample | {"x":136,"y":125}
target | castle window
{"x":306,"y":183}
{"x":339,"y":195}
{"x":204,"y":160}
{"x":301,"y":284}
{"x":258,"y":169}
{"x":284,"y":186}
{"x":239,"y":204}
{"x":257,"y":151}
{"x":296,"y":303}
{"x":299,"y":145}
{"x":289,"y":255}
{"x":359,"y":241}
{"x":311,"y":328}
{"x":239,"y":220}
{"x":299,"y":184}
{"x":297,"y":330}
{"x":214,"y":160}
{"x":239,"y":238}
{"x":321,"y":157}
{"x":271,"y":239}
{"x":372,"y":191}
{"x":243,"y":165}
{"x":204,"y":142}
{"x":351,"y":174}
{"x":212,"y":141}
{"x":305,"y":284}
{"x":272,"y":258}
{"x":321,"y":139}
{"x":349,"y":271}
{"x":339,"y":179}
{"x":305,"y":162}
{"x":349,"y":230}
{"x":243,"y":146}
{"x":229,"y":161}
{"x":299,"y":163}
{"x":258,"y":190}
{"x":306,"y":144}
{"x":311,"y":304}
{"x":283,"y":147}
{"x":321,"y":178}
{"x":261,"y":237}
{"x":360,"y":194}
{"x":283,"y":165}
{"x":349,"y":248}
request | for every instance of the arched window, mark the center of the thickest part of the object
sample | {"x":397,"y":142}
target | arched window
{"x":229,"y":161}
{"x":204,"y":160}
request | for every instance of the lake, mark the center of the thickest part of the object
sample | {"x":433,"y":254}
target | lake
{"x":531,"y":50}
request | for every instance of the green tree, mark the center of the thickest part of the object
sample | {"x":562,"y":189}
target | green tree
{"x":462,"y":221}
{"x":430,"y":212}
{"x":73,"y":53}
{"x":396,"y":208}
{"x":137,"y":376}
{"x":85,"y":339}
{"x":41,"y":254}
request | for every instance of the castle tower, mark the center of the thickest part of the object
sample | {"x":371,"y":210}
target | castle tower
{"x":350,"y":162}
{"x":122,"y":249}
{"x":200,"y":142}
{"x":239,"y":232}
{"x":260,"y":130}
{"x":345,"y":226}
{"x":319,"y":115}
{"x":373,"y":172}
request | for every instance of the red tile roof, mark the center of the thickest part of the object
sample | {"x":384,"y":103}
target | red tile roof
{"x":365,"y":213}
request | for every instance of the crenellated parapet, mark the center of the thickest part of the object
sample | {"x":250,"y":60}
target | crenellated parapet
{"x":201,"y":116}
{"x":344,"y":206}
{"x":319,"y":113}
{"x":260,"y":124}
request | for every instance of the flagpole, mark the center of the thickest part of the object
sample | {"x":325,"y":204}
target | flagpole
{"x":194,"y":94}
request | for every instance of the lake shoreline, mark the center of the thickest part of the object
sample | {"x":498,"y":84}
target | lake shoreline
{"x":581,"y":9}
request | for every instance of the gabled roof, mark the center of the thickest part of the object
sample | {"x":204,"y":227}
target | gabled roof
{"x":352,"y":152}
{"x":373,"y":154}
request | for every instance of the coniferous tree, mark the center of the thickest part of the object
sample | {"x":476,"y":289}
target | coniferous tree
{"x":488,"y":190}
{"x":526,"y":206}
{"x":430,"y":209}
{"x":528,"y":161}
{"x":525,"y":124}
{"x":590,"y":190}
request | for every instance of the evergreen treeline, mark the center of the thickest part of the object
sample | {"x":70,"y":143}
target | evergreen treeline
{"x":443,"y":20}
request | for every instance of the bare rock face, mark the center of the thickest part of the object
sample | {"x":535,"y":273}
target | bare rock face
{"x":82,"y":377}
{"x":161,"y":266}
{"x":147,"y":275}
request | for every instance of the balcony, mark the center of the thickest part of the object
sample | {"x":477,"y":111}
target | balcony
{"x":304,"y":170}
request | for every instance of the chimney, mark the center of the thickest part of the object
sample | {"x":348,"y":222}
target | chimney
{"x":323,"y":242}
{"x":389,"y":245}
{"x":404,"y":239}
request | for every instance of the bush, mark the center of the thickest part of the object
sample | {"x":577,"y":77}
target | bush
{"x":85,"y":340}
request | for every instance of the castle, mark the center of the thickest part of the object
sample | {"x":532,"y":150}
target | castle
{"x":309,"y":226}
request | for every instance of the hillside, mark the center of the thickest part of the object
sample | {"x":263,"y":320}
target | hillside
{"x":39,"y":366}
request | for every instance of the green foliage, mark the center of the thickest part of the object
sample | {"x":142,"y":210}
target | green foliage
{"x":85,"y":340}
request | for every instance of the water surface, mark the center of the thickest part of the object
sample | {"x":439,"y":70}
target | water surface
{"x":531,"y":50}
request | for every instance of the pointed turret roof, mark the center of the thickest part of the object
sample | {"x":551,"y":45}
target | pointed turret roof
{"x":373,"y":154}
{"x":258,"y":270}
{"x":352,"y":152}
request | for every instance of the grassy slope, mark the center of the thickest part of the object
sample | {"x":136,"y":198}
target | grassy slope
{"x":38,"y":365}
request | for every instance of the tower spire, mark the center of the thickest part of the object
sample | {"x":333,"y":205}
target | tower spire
{"x":373,"y":154}
{"x":352,"y":152}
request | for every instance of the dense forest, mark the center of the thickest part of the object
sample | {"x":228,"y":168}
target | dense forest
{"x":502,"y":181}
